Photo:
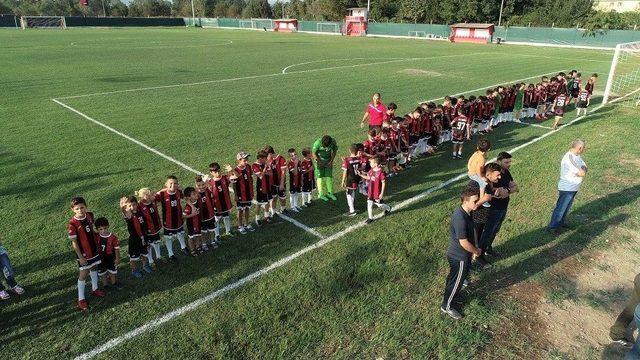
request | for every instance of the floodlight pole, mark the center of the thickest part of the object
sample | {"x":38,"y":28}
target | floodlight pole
{"x":193,"y":14}
{"x":369,"y":5}
{"x":500,"y":17}
{"x":104,"y":12}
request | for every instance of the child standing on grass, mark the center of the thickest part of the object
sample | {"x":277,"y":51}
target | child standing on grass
{"x":351,"y":177}
{"x":85,"y":245}
{"x":560,"y":102}
{"x":461,"y":132}
{"x":295,"y":181}
{"x":137,"y":228}
{"x":591,"y":83}
{"x":7,"y":271}
{"x":262,"y":171}
{"x":192,"y":216}
{"x":149,"y":210}
{"x":243,"y":185}
{"x":110,"y":252}
{"x":308,"y":177}
{"x":219,"y":185}
{"x":208,"y":225}
{"x":170,"y":199}
{"x":582,"y":102}
{"x":375,"y":185}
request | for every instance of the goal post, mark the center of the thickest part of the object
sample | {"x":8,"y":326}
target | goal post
{"x":43,"y":22}
{"x":262,"y":23}
{"x":417,"y":34}
{"x":623,"y":82}
{"x":328,"y":27}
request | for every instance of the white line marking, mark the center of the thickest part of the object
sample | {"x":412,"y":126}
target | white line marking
{"x":135,"y":141}
{"x":301,"y":225}
{"x":533,"y":124}
{"x":284,"y":71}
{"x":212,"y":296}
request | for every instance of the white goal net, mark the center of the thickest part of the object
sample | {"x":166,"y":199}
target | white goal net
{"x":259,"y":24}
{"x":43,"y":22}
{"x":328,"y":27}
{"x":417,"y":34}
{"x":623,"y":83}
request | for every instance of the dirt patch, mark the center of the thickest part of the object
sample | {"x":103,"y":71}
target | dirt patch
{"x":420,"y":72}
{"x":629,"y":160}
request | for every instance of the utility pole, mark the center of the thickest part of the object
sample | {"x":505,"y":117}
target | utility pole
{"x":500,"y":17}
{"x":193,"y":14}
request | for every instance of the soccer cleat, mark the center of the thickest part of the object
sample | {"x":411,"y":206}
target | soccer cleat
{"x":332,"y":197}
{"x":18,"y":290}
{"x":147,"y":268}
{"x":205,"y":247}
{"x":98,"y":293}
{"x":323,"y":198}
{"x":173,"y":258}
{"x":284,"y":211}
{"x":250,"y":228}
{"x":295,"y":209}
{"x":368,"y":221}
{"x":351,"y":214}
{"x":387,"y":209}
{"x":259,"y":222}
{"x":82,"y":305}
{"x":4,"y":295}
{"x":229,"y":233}
{"x":185,"y":251}
{"x":242,"y":230}
{"x":622,"y":341}
{"x":453,"y":313}
{"x":465,"y":283}
{"x":136,"y":274}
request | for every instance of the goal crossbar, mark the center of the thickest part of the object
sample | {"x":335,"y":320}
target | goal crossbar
{"x":43,"y":22}
{"x":624,"y":74}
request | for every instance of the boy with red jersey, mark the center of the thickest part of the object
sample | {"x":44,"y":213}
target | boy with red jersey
{"x":170,"y":199}
{"x":308,"y":177}
{"x":351,"y":177}
{"x":148,"y":208}
{"x":264,"y":183}
{"x":461,"y":132}
{"x":193,"y":217}
{"x":242,"y":179}
{"x":540,"y":96}
{"x":561,"y":101}
{"x":583,"y":102}
{"x":295,"y":181}
{"x":110,"y":250}
{"x":137,"y":228}
{"x":85,"y":245}
{"x":376,"y":184}
{"x":591,"y":83}
{"x":208,"y":226}
{"x":278,"y":171}
{"x":219,"y":185}
{"x":574,"y":87}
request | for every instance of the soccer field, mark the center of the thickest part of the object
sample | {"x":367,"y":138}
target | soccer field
{"x":103,"y":112}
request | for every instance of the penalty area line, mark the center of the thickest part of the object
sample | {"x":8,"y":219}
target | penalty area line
{"x":217,"y":293}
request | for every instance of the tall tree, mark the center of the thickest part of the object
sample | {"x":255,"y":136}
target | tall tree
{"x":257,"y":9}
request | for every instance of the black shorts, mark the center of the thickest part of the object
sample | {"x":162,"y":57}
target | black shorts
{"x":413,"y":139}
{"x":152,"y":238}
{"x":295,"y":189}
{"x":575,"y":93}
{"x":172,"y":232}
{"x":262,"y":198}
{"x":108,"y":265}
{"x":208,"y":225}
{"x":242,"y":205}
{"x":308,"y":185}
{"x":137,"y":248}
{"x":581,"y":105}
{"x":276,"y":192}
{"x":222,"y":214}
{"x":456,"y":141}
{"x":91,"y":263}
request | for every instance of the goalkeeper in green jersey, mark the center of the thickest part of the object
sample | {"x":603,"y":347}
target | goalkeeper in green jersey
{"x":324,"y":151}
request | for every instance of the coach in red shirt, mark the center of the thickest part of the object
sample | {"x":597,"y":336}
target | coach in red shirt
{"x":376,"y":113}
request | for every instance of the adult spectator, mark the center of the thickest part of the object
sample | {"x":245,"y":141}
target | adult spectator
{"x":499,"y":203}
{"x":478,"y":159}
{"x":634,"y":353}
{"x":486,"y":184}
{"x":572,"y":171}
{"x":460,"y":251}
{"x":618,"y":331}
{"x":376,"y":113}
{"x":7,"y":271}
{"x":324,"y":151}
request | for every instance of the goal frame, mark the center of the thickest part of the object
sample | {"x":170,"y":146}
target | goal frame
{"x":416,"y":34}
{"x":335,"y":26}
{"x":25,"y":19}
{"x":606,"y":97}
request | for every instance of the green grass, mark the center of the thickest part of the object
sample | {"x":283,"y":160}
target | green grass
{"x":372,"y":293}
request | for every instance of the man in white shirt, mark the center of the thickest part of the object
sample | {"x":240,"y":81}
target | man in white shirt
{"x":572,"y":171}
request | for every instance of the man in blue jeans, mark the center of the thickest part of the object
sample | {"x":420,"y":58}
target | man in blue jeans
{"x":7,"y":272}
{"x":498,"y":204}
{"x":572,"y":171}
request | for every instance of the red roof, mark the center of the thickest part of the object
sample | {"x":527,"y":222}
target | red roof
{"x":472,"y":26}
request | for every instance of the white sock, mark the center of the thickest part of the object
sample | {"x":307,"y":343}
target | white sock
{"x":168,"y":241}
{"x":350,"y":201}
{"x":267,"y":213}
{"x":183,"y":244}
{"x":149,"y":255}
{"x":257,"y":216}
{"x":156,"y":248}
{"x":454,"y":153}
{"x":227,"y":224}
{"x":271,"y":208}
{"x":94,"y":280}
{"x":217,"y":231}
{"x":460,"y":152}
{"x":370,"y":208}
{"x":80,"y":289}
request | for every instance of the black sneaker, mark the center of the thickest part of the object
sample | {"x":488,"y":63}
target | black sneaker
{"x":285,"y":211}
{"x":259,"y":222}
{"x":351,"y":214}
{"x":452,"y":312}
{"x":173,"y":258}
{"x":118,"y":286}
{"x":368,"y":221}
{"x":483,"y":264}
{"x":185,"y":251}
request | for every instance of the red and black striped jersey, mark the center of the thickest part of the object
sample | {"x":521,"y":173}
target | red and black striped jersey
{"x":306,"y":167}
{"x":220,"y":194}
{"x":151,"y":217}
{"x":194,"y":222}
{"x":425,"y":123}
{"x":264,"y":180}
{"x":171,"y":209}
{"x":374,"y":184}
{"x":207,"y":210}
{"x":278,"y":166}
{"x":352,"y":166}
{"x":561,"y":101}
{"x":589,"y":86}
{"x":459,"y":126}
{"x":82,"y":230}
{"x":136,"y":225}
{"x":109,"y":244}
{"x":295,"y":175}
{"x":244,"y":184}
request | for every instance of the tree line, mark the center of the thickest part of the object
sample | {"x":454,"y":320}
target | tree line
{"x":566,"y":13}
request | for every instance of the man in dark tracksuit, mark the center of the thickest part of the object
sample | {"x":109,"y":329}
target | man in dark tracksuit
{"x":460,"y":250}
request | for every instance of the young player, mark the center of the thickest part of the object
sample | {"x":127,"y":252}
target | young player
{"x":243,"y":185}
{"x":591,"y":83}
{"x":148,"y":208}
{"x":308,"y":177}
{"x":86,"y":246}
{"x":583,"y":102}
{"x":208,"y":228}
{"x":7,"y":272}
{"x":262,"y":171}
{"x":170,"y":199}
{"x":540,"y":95}
{"x":461,"y":132}
{"x":278,"y":173}
{"x":560,"y":102}
{"x":574,"y":87}
{"x":295,"y":181}
{"x":137,"y":228}
{"x":375,"y":185}
{"x":193,"y":218}
{"x":110,"y":252}
{"x":219,"y":184}
{"x":351,"y":177}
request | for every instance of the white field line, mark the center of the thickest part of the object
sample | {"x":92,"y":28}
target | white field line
{"x":255,"y":76}
{"x":178,"y":162}
{"x":215,"y":294}
{"x":284,"y":71}
{"x":532,"y":124}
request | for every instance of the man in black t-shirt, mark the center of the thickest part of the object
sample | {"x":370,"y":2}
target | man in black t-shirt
{"x":499,"y":204}
{"x":460,"y":251}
